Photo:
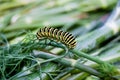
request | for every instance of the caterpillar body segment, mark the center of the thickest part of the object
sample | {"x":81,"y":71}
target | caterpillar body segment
{"x":58,"y":35}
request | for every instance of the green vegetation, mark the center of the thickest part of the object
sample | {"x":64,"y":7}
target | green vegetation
{"x":95,"y":57}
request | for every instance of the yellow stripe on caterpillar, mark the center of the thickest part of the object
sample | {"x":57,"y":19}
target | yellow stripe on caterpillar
{"x":58,"y":35}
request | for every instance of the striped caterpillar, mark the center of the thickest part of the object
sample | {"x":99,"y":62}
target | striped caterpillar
{"x":58,"y":35}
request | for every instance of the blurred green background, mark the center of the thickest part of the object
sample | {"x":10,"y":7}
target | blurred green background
{"x":83,"y":18}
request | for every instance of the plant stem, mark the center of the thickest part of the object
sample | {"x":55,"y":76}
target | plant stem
{"x":68,"y":62}
{"x":79,"y":53}
{"x":85,"y":55}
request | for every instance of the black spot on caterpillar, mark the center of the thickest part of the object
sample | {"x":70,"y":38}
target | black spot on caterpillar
{"x":58,"y":35}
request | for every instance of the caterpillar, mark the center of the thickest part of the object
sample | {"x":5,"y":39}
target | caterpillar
{"x":58,"y":35}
